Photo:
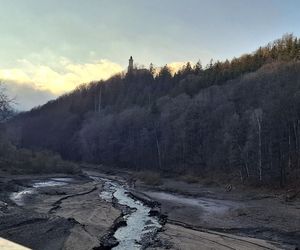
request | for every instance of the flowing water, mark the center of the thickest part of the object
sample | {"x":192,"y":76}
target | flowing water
{"x":140,"y":225}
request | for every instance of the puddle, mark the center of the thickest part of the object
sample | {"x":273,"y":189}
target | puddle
{"x":20,"y":196}
{"x":211,"y":206}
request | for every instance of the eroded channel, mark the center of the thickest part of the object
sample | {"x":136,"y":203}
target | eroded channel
{"x":140,"y":226}
{"x":138,"y":231}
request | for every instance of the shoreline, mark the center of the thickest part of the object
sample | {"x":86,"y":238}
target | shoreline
{"x":234,"y":221}
{"x":261,"y":215}
{"x":61,"y":217}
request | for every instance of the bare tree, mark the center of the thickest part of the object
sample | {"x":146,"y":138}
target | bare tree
{"x":258,"y":117}
{"x":5,"y":104}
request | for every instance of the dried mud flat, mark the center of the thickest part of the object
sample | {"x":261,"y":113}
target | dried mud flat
{"x":74,"y":216}
{"x":62,"y":217}
{"x":211,"y":218}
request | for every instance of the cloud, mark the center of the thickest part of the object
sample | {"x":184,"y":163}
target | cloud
{"x":26,"y":97}
{"x":35,"y":83}
{"x":57,"y":80}
{"x":176,"y":66}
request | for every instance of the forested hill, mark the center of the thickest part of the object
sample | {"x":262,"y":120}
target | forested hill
{"x":240,"y":116}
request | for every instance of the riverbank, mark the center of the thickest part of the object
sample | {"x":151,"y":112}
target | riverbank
{"x":247,"y":218}
{"x":208,"y":211}
{"x":75,"y":212}
{"x":59,"y":217}
{"x":74,"y":216}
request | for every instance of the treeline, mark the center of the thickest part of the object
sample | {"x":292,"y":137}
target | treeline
{"x":240,"y":116}
{"x":26,"y":161}
{"x":15,"y":160}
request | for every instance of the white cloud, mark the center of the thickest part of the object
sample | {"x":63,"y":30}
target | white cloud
{"x":65,"y":77}
{"x":33,"y":82}
{"x":25,"y":97}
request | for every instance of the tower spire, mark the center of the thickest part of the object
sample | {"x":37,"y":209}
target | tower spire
{"x":130,"y":65}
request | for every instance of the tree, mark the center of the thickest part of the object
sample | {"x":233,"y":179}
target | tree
{"x":164,"y":74}
{"x":152,"y":69}
{"x":5,"y":104}
{"x":237,"y":116}
{"x":257,"y":116}
{"x":198,"y":67}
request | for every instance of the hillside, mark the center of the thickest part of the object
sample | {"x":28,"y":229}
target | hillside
{"x":238,"y":117}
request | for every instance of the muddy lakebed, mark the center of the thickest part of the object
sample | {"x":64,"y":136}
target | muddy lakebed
{"x":137,"y":229}
{"x":20,"y":197}
{"x":104,"y":212}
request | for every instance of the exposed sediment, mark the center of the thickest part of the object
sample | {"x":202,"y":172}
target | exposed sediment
{"x":74,"y":217}
{"x":65,"y":217}
{"x":56,"y":205}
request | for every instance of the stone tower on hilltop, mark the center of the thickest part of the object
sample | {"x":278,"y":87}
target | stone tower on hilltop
{"x":130,"y":65}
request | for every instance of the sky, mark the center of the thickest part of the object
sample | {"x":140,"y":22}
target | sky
{"x":49,"y":47}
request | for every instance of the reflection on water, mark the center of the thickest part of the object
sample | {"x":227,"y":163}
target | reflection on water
{"x":139,"y":224}
{"x":211,"y":206}
{"x":50,"y":183}
{"x":20,"y":196}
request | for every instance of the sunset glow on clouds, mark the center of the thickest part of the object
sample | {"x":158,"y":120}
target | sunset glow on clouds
{"x":33,"y":83}
{"x":175,"y":66}
{"x":69,"y":75}
{"x":62,"y":44}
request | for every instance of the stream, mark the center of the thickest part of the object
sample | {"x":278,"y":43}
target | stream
{"x":141,"y":227}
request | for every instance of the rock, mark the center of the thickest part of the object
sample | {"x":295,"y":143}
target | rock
{"x":241,"y":213}
{"x":228,"y":188}
{"x":107,"y":242}
{"x":291,"y":195}
{"x":3,"y":205}
{"x":154,"y":211}
{"x":143,"y":198}
{"x":53,"y":192}
{"x":120,"y":222}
